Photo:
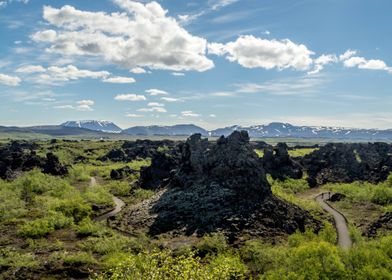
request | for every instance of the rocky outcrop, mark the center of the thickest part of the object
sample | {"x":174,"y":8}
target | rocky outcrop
{"x":132,"y":150}
{"x":345,"y":163}
{"x":121,"y":173}
{"x":53,"y":166}
{"x":18,"y":156}
{"x":384,"y":222}
{"x":154,"y":176}
{"x":216,"y":187}
{"x":277,"y":162}
{"x":337,"y":197}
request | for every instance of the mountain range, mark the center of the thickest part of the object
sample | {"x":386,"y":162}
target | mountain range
{"x":107,"y":129}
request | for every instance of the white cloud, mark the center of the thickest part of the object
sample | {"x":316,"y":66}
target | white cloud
{"x":86,"y":102}
{"x":3,"y":4}
{"x":291,"y":86}
{"x":143,"y":37}
{"x":155,"y":104}
{"x":218,"y":4}
{"x":212,"y":116}
{"x":170,"y":99}
{"x":130,"y":97}
{"x":56,"y":75}
{"x":189,"y":114}
{"x":45,"y":36}
{"x":153,"y":109}
{"x":223,"y":94}
{"x":82,"y":105}
{"x":155,"y":92}
{"x":323,"y":60}
{"x":9,"y":80}
{"x":137,"y":70}
{"x":363,"y":63}
{"x":252,"y":52}
{"x":133,"y":116}
{"x":30,"y":69}
{"x":119,"y":80}
{"x":347,"y":55}
{"x":178,"y":74}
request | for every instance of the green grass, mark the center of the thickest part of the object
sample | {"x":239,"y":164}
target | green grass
{"x":301,"y":152}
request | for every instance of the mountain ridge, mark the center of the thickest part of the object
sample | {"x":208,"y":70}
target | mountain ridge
{"x":271,"y":130}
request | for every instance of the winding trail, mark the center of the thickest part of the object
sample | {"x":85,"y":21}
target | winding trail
{"x":118,"y":202}
{"x":341,"y":226}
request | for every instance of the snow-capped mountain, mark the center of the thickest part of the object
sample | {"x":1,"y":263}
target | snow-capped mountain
{"x":103,"y":126}
{"x":277,"y":129}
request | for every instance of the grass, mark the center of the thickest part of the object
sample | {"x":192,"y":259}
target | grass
{"x":301,"y":152}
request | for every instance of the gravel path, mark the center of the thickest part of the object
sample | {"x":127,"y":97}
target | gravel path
{"x":118,"y":202}
{"x":341,"y":226}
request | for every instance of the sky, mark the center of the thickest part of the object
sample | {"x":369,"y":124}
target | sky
{"x":213,"y":63}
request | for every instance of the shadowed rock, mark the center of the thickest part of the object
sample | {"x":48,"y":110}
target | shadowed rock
{"x":216,"y":187}
{"x":278,"y":163}
{"x":346,"y":163}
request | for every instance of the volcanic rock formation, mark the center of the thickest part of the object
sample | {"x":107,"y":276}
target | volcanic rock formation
{"x":132,"y":150}
{"x":278,"y":163}
{"x":346,"y":163}
{"x":21,"y":156}
{"x":220,"y":187}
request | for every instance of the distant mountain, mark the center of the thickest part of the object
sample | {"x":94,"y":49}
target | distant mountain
{"x":103,"y":126}
{"x":175,"y":130}
{"x":105,"y":129}
{"x":277,"y":129}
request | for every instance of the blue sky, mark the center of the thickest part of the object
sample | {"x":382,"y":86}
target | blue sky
{"x":213,"y":63}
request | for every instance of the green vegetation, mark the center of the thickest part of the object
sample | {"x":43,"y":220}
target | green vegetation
{"x":301,"y":152}
{"x":361,"y":192}
{"x":47,"y":225}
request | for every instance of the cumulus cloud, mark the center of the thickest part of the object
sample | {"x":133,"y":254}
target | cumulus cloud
{"x":138,"y":70}
{"x":155,"y":92}
{"x":363,"y":63}
{"x":144,"y":36}
{"x":170,"y":99}
{"x":82,"y":105}
{"x":253,"y":52}
{"x":347,"y":55}
{"x":323,"y":60}
{"x":54,"y":75}
{"x":130,"y":97}
{"x":153,"y":109}
{"x":155,"y":104}
{"x":30,"y":69}
{"x":189,"y":114}
{"x":119,"y":80}
{"x":9,"y":80}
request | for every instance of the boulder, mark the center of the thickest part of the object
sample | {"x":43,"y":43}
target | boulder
{"x":53,"y":166}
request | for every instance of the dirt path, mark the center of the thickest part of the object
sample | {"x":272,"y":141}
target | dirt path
{"x":341,"y":226}
{"x":118,"y":202}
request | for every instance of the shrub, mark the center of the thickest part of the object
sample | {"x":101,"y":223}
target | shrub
{"x":36,"y":228}
{"x":98,"y":195}
{"x":88,"y":228}
{"x":43,"y":226}
{"x":16,"y":260}
{"x":78,"y":259}
{"x":118,"y":188}
{"x":105,"y":244}
{"x":212,"y":244}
